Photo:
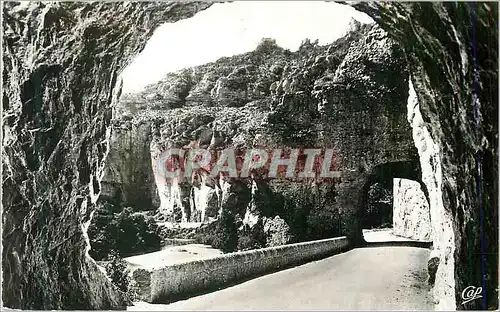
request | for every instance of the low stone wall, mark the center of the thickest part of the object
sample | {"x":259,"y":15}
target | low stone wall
{"x":181,"y":281}
{"x":170,"y":242}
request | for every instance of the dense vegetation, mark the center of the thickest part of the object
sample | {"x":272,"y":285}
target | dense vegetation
{"x":378,"y":211}
{"x":117,"y":271}
{"x":123,"y":233}
{"x":287,"y":217}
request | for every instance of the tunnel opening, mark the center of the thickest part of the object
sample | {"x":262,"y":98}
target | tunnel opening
{"x":395,"y":197}
{"x":176,"y":97}
{"x":51,"y":300}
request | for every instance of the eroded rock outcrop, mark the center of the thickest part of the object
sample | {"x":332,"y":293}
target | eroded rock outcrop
{"x":349,"y":96}
{"x":60,"y":66}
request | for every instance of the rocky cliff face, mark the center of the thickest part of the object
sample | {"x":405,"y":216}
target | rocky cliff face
{"x":127,"y":180}
{"x":60,"y":66}
{"x":452,"y":50}
{"x":412,"y":216}
{"x":349,"y":96}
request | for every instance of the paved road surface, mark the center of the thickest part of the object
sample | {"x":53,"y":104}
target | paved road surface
{"x":384,"y":235}
{"x":366,"y":278}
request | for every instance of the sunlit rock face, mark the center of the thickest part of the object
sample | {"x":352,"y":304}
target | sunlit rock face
{"x":452,"y":51}
{"x":411,"y":215}
{"x":441,"y":220}
{"x":127,"y":179}
{"x":61,"y":62}
{"x":349,"y":96}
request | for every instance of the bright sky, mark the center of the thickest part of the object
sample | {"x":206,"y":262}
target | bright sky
{"x":227,"y":29}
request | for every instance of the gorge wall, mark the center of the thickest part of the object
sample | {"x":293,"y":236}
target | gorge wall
{"x":61,"y":62}
{"x":127,"y":180}
{"x":349,"y":96}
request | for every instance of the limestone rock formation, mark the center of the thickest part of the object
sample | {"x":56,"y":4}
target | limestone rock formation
{"x":127,"y":180}
{"x":411,"y":215}
{"x":349,"y":96}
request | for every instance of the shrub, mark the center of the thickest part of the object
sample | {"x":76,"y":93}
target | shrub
{"x":276,"y":231}
{"x":298,"y":205}
{"x":206,"y":233}
{"x":252,"y":238}
{"x":226,"y":234}
{"x":117,"y":271}
{"x":323,"y":224}
{"x":266,"y":45}
{"x":126,"y":233}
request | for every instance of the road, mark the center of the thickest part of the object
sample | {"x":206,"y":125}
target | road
{"x":371,"y":278}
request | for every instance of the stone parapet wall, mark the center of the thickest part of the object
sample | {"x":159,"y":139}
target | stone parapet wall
{"x":180,"y":281}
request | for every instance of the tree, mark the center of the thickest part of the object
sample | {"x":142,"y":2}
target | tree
{"x":126,"y":233}
{"x":266,"y":45}
{"x":226,"y":236}
{"x":117,"y":271}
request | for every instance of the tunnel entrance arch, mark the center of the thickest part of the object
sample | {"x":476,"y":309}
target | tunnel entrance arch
{"x":377,"y":197}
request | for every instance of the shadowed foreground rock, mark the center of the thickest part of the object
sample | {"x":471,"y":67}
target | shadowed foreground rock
{"x":61,"y":62}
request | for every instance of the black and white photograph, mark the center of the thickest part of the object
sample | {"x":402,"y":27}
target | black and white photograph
{"x":249,"y":155}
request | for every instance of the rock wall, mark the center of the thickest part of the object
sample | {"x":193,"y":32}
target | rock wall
{"x":128,"y":179}
{"x":411,"y":215}
{"x":452,"y":51}
{"x":60,"y":66}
